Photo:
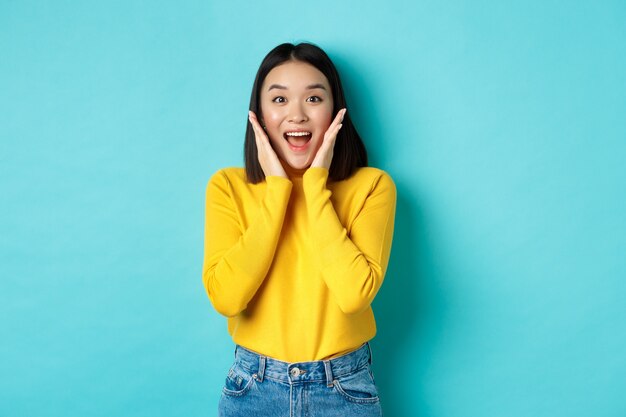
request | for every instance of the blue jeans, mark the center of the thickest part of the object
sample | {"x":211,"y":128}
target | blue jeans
{"x":262,"y":386}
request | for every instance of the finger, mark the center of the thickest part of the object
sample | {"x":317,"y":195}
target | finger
{"x":338,"y":117}
{"x":258,"y":133}
{"x":334,"y":127}
{"x":331,"y":133}
{"x":258,"y":130}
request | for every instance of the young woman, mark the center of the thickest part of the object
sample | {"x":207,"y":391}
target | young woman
{"x":296,"y":247}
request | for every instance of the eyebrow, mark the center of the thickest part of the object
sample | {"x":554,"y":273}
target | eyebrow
{"x":308,"y":87}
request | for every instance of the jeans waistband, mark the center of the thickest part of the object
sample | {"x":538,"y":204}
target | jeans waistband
{"x":300,"y":372}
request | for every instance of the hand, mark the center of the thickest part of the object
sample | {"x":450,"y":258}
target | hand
{"x":270,"y":164}
{"x":324,"y":155}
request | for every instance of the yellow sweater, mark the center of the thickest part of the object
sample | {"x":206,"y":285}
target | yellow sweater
{"x":295,"y":263}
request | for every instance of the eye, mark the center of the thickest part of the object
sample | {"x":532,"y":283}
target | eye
{"x":279,"y":99}
{"x":314,"y":99}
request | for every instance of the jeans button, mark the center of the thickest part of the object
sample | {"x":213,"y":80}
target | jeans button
{"x":294,"y":372}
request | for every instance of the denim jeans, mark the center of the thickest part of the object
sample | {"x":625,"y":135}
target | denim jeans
{"x":262,"y":386}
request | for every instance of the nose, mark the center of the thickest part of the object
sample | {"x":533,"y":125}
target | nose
{"x":297,"y":114}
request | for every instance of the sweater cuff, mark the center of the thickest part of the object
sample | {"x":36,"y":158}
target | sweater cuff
{"x":276,"y":181}
{"x":315,"y":175}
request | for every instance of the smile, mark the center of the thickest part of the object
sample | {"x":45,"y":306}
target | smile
{"x":298,"y":140}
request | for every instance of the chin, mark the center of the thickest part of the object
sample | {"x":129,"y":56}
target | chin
{"x":299,"y":166}
{"x":300,"y":161}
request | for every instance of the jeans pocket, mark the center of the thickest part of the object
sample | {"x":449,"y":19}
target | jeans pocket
{"x":358,"y":387}
{"x":238,"y":381}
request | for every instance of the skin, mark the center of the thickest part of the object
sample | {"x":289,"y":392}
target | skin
{"x":295,"y":96}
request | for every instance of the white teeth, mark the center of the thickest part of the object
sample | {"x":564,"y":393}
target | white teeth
{"x":298,"y":133}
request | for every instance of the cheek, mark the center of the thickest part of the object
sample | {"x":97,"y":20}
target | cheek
{"x":271,"y":119}
{"x":275,"y":141}
{"x":325,"y":118}
{"x":271,"y":114}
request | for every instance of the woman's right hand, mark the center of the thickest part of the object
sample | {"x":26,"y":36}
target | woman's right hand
{"x":270,"y":164}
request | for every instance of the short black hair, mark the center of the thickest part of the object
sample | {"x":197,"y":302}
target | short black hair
{"x":349,"y":152}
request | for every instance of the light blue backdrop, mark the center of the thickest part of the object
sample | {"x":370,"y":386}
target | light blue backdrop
{"x":503,"y":125}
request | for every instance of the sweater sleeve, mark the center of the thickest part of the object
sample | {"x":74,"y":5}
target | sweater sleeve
{"x":352,"y":265}
{"x":236,"y":261}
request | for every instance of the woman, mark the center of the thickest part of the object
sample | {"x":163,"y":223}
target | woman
{"x":296,"y":247}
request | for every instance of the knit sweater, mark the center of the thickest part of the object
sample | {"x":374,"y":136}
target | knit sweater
{"x":294,"y":264}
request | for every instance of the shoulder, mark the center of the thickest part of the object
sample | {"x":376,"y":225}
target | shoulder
{"x":373,"y":178}
{"x":235,"y":173}
{"x":225,"y":180}
{"x":228,"y":175}
{"x":365,"y":184}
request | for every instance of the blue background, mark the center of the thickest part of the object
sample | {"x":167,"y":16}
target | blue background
{"x":502,"y":125}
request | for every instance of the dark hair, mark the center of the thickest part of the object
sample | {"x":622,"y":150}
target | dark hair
{"x":349,"y":152}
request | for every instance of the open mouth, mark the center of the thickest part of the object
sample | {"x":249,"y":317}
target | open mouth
{"x":298,"y":140}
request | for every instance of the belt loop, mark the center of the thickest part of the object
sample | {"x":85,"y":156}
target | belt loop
{"x":329,"y":374}
{"x":370,"y":350}
{"x":261,"y":372}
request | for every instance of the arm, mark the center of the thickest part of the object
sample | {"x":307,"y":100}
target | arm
{"x":353,"y":266}
{"x":236,"y":261}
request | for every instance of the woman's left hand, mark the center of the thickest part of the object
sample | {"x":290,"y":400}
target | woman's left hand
{"x":324,"y":155}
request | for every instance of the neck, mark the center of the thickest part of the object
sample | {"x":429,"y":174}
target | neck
{"x":291,"y":171}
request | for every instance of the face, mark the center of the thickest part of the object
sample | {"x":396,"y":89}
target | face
{"x":296,"y":108}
